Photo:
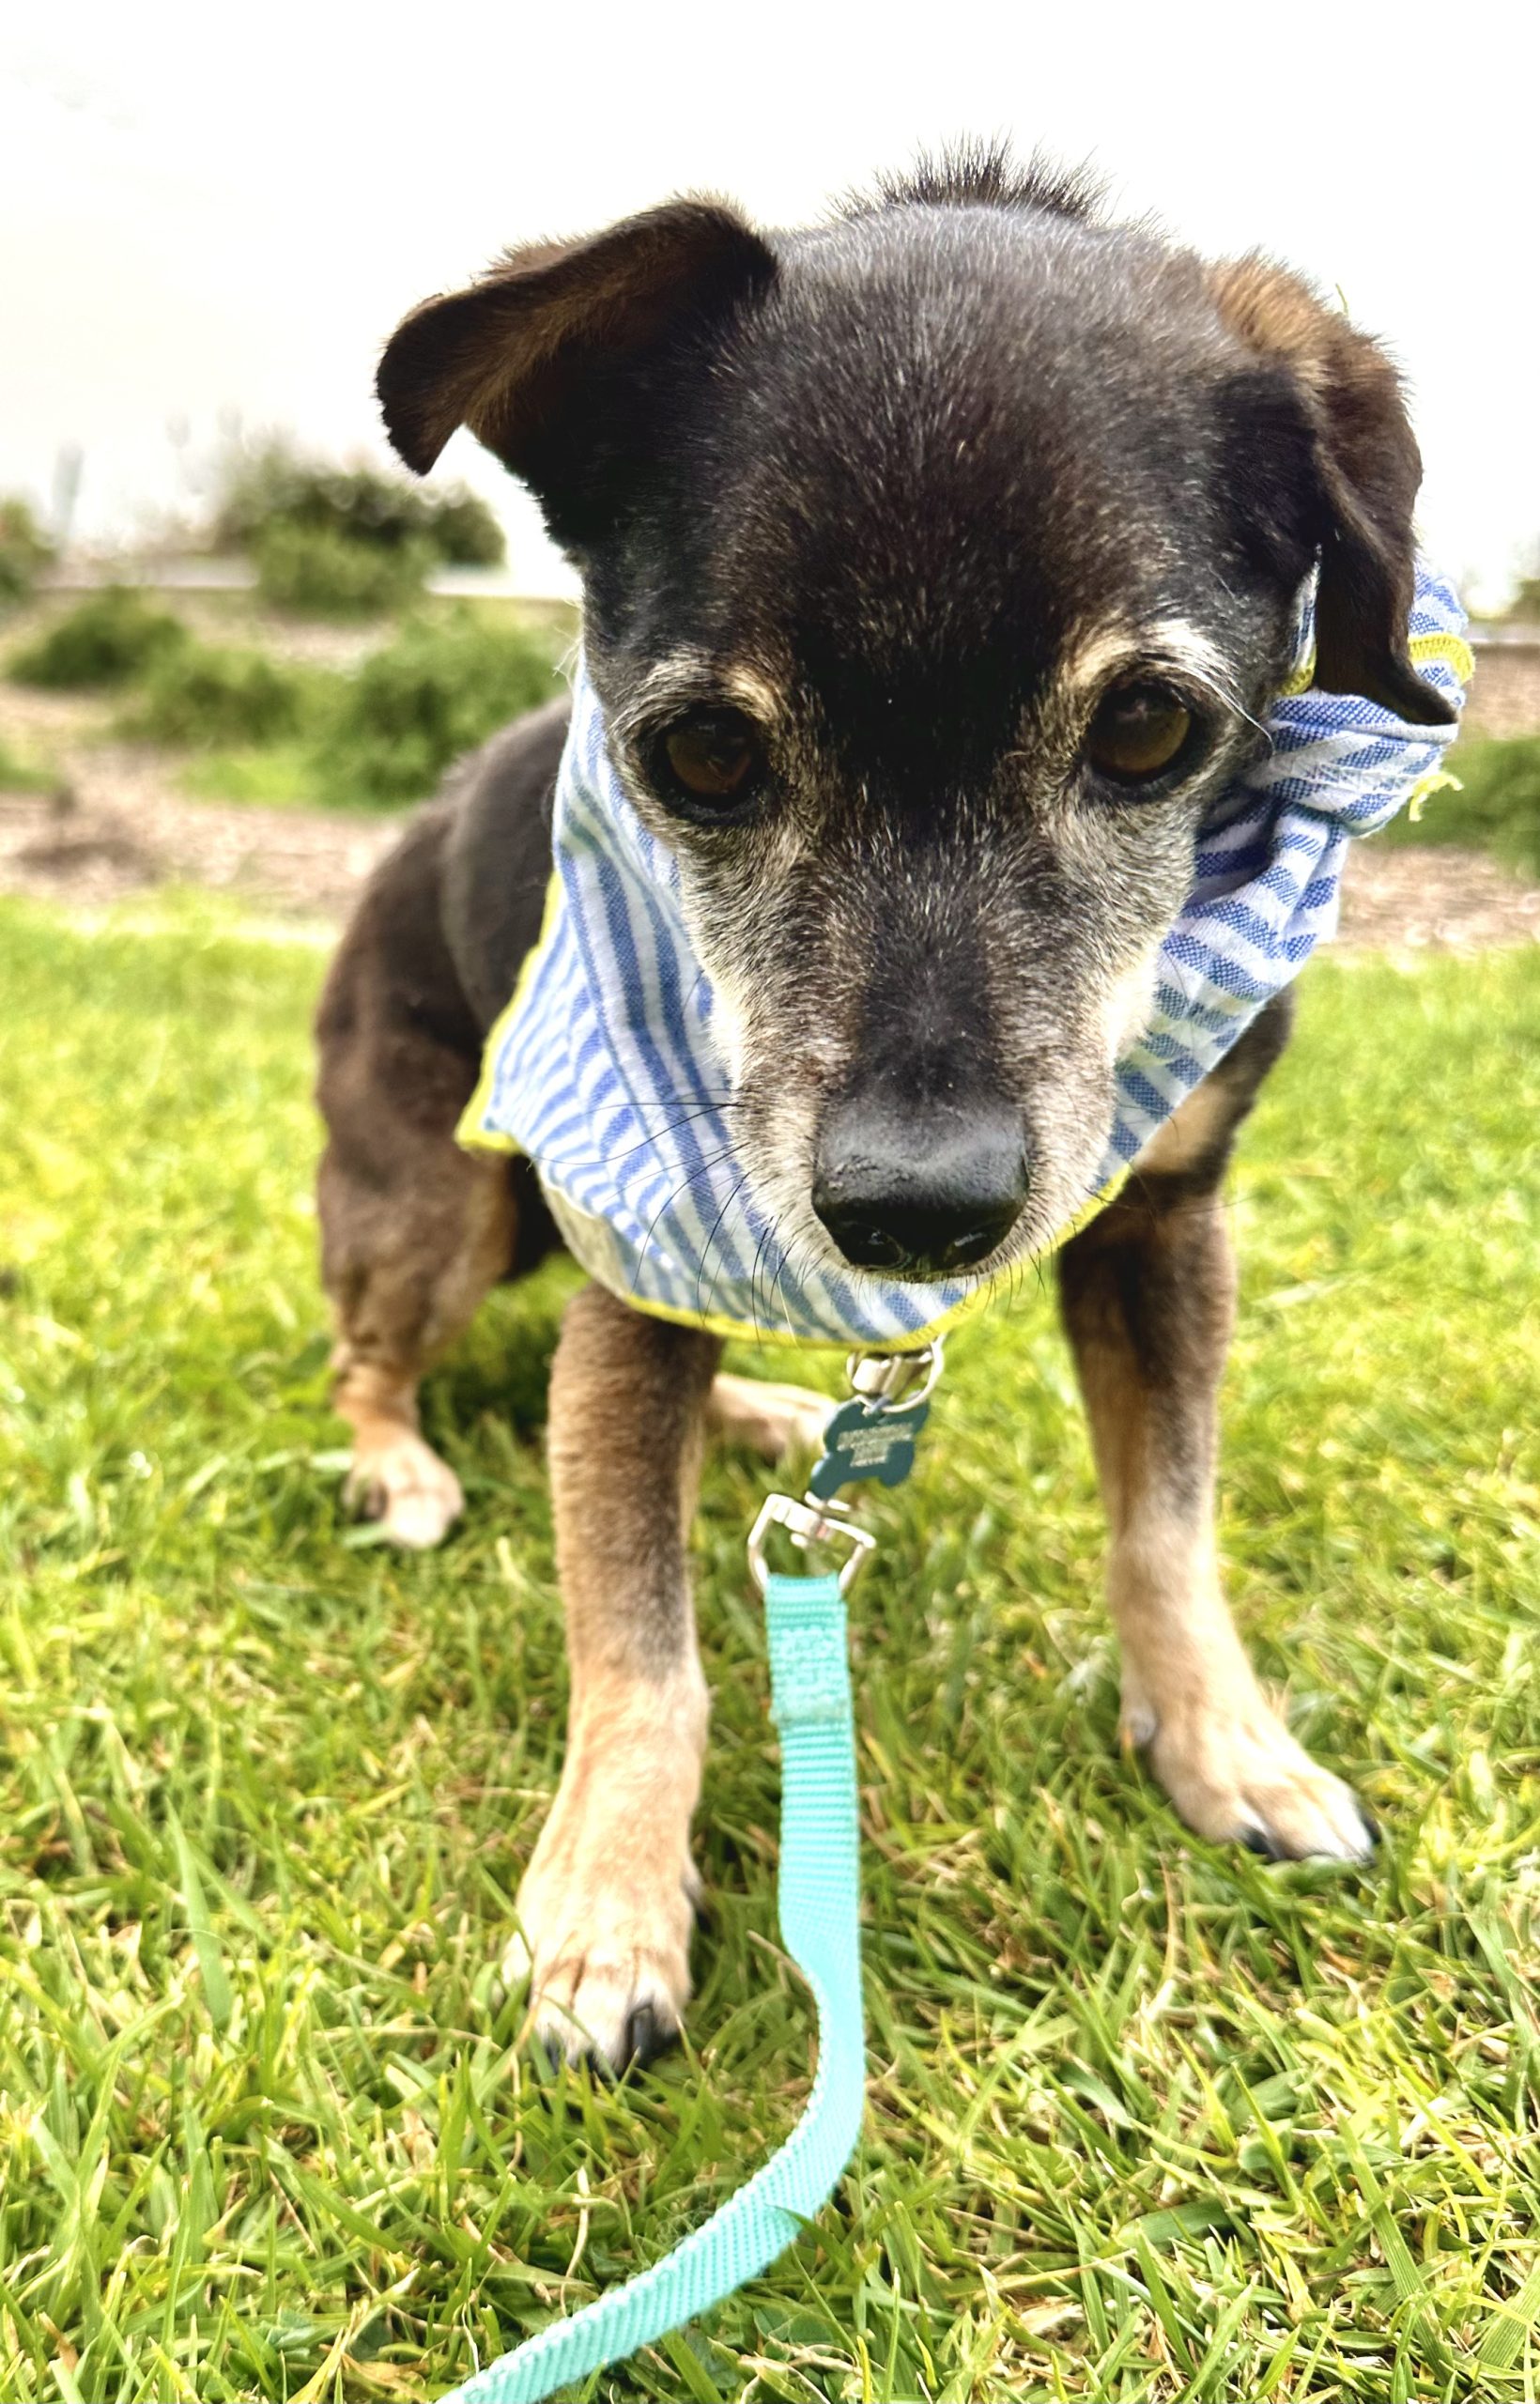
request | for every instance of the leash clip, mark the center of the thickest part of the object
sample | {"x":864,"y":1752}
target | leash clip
{"x":807,"y":1523}
{"x":869,"y":1436}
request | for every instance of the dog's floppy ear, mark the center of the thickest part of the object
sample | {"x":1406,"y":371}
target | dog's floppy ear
{"x":1366,"y":469}
{"x":517,"y":357}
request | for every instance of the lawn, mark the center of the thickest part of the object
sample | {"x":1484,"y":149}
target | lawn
{"x":1147,"y":2118}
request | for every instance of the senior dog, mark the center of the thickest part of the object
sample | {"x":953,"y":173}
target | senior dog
{"x":939,"y":564}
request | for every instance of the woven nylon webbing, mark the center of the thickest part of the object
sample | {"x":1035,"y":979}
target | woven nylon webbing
{"x":818,"y":1901}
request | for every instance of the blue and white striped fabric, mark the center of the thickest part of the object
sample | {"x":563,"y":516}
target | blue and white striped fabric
{"x":607,"y":1071}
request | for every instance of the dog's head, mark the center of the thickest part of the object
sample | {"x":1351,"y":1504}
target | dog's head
{"x":938,"y":566}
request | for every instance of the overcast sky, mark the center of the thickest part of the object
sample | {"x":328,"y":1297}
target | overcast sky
{"x":218,"y":213}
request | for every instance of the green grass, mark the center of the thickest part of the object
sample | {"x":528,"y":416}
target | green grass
{"x":1147,"y":2120}
{"x":1497,"y":809}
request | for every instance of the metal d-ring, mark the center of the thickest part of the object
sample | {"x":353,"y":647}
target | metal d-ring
{"x":885,"y":1380}
{"x":807,"y":1523}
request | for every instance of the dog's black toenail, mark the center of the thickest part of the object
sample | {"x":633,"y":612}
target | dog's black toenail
{"x":647,"y":2036}
{"x":1257,"y":1841}
{"x":641,"y":2033}
{"x":548,"y":2055}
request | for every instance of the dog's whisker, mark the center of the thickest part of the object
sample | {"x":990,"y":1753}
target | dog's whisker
{"x":661,"y":1134}
{"x":705,"y":1309}
{"x":770,"y":1245}
{"x":667,"y":1203}
{"x":780,"y":1286}
{"x":701,"y":1098}
{"x":765,"y":1234}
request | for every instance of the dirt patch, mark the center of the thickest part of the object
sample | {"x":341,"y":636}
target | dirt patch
{"x":1433,"y":898}
{"x":117,"y":829}
{"x":1505,"y":696}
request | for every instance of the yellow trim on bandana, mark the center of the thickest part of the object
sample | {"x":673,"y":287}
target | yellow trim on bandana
{"x":1454,"y":652}
{"x":1440,"y":782}
{"x":1423,"y":650}
{"x":471,"y":1133}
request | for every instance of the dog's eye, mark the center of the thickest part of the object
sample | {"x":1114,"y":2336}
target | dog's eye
{"x":709,"y":766}
{"x":1138,"y":732}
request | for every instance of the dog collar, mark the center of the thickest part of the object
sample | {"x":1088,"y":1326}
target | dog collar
{"x":607,"y":1069}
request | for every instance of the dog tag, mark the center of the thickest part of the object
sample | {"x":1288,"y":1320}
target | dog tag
{"x":861,"y":1441}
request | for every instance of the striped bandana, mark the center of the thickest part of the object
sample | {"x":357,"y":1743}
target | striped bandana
{"x":606,"y":1070}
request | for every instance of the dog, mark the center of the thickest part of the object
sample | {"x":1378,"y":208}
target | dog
{"x":938,"y":566}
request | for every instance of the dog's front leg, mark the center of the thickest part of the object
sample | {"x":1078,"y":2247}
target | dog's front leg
{"x":607,"y":1903}
{"x":1149,"y":1296}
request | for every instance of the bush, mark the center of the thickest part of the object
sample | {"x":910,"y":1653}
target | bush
{"x":274,"y":776}
{"x":316,"y":572}
{"x":24,"y":775}
{"x":277,"y":485}
{"x":1497,"y":809}
{"x":463,"y":530}
{"x":345,"y":542}
{"x":199,"y":695}
{"x":110,"y":639}
{"x":441,"y":688}
{"x":25,"y":551}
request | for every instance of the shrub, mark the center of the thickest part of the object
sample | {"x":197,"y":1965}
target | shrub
{"x":199,"y":695}
{"x":463,"y":530}
{"x":313,"y":571}
{"x":24,"y":775}
{"x":111,"y":639}
{"x":276,"y":484}
{"x":1497,"y":809}
{"x":441,"y":686}
{"x":275,"y":776}
{"x":25,"y":551}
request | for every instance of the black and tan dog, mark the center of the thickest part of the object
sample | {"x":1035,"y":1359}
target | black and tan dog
{"x":937,"y":568}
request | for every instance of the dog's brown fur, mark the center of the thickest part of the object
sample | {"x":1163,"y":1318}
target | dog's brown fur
{"x":414,"y":1230}
{"x":1148,"y":1297}
{"x":607,"y":1902}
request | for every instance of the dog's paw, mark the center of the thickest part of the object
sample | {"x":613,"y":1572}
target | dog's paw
{"x":1235,"y":1773}
{"x":415,"y":1496}
{"x":604,"y":1941}
{"x":773,"y":1420}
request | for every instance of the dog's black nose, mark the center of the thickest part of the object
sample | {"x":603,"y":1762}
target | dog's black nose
{"x":919,"y":1193}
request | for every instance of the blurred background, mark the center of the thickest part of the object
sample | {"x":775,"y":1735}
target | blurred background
{"x":214,"y":228}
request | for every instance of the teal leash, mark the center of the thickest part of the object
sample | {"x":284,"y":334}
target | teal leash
{"x":818,"y":1901}
{"x":818,"y":1897}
